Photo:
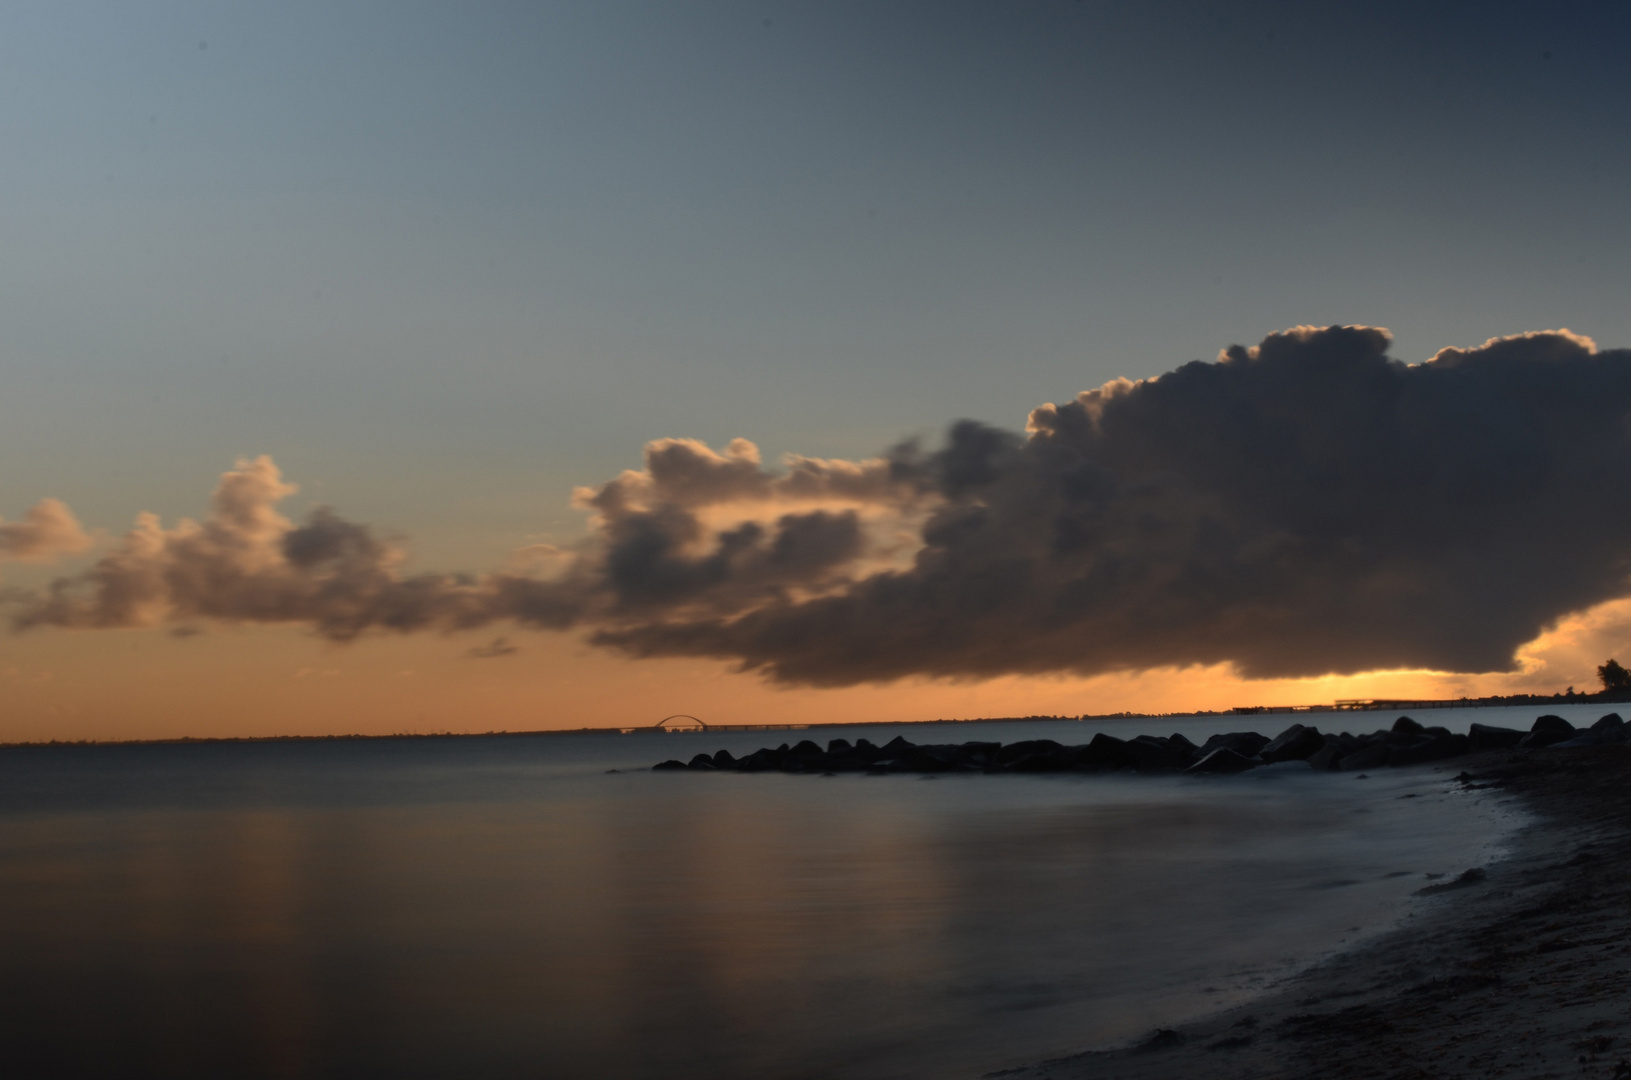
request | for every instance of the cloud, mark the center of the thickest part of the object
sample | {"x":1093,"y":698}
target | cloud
{"x":499,"y":646}
{"x":47,"y":530}
{"x":247,"y":563}
{"x":1304,"y":507}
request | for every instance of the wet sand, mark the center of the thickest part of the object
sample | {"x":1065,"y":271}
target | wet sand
{"x":1525,"y":972}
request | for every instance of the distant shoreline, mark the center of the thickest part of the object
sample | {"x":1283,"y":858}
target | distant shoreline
{"x":1603,"y":697}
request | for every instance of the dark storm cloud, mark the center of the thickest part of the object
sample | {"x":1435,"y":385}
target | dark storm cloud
{"x":1306,"y":506}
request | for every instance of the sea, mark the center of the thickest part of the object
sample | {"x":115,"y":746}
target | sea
{"x":545,"y":906}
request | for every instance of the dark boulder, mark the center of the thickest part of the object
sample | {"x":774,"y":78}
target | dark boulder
{"x":1152,"y":754}
{"x":1405,"y":725}
{"x":1610,"y":729}
{"x":1223,"y":760}
{"x":1184,"y":746}
{"x":897,"y":745}
{"x":1369,"y":756}
{"x":806,"y":748}
{"x":760,"y":760}
{"x":1104,"y":752}
{"x":1548,"y":729}
{"x":1295,"y":743}
{"x":1435,"y":747}
{"x":980,"y":755}
{"x":1605,"y":732}
{"x":1326,"y":757}
{"x":1045,"y":748}
{"x":669,"y":764}
{"x":701,"y":761}
{"x":1244,"y":743}
{"x":1488,"y":737}
{"x":1579,"y":741}
{"x":865,"y":746}
{"x":723,"y":760}
{"x":1043,"y":762}
{"x":838,"y":746}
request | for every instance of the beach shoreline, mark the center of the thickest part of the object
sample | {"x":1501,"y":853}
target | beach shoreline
{"x":1524,"y":971}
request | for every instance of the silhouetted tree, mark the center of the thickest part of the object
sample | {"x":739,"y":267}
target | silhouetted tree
{"x":1614,"y":676}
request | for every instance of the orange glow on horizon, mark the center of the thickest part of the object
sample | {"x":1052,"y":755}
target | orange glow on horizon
{"x":256,"y":681}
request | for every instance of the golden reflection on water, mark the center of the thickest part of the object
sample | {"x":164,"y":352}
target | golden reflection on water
{"x":468,"y":921}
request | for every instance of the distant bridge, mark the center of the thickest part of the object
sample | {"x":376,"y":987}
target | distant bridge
{"x":686,"y":723}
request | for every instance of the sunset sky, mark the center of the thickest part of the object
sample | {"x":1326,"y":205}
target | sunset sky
{"x":438,"y":266}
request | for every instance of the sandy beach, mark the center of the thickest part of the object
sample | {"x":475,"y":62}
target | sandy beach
{"x":1521,"y":971}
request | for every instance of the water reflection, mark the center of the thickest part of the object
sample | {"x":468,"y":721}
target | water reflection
{"x":316,"y":911}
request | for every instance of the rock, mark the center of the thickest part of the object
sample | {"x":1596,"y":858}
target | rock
{"x":1104,"y":752}
{"x":1047,"y":749}
{"x":895,"y":746}
{"x":723,"y":760}
{"x":701,"y":761}
{"x":1369,"y":756}
{"x":1406,"y":725}
{"x":1295,"y":743}
{"x":806,"y":748}
{"x":1611,"y":729}
{"x":1244,"y":743}
{"x":669,"y":764}
{"x":1041,"y":762}
{"x":1488,"y":737}
{"x":980,"y":755}
{"x":1548,"y":729}
{"x":1326,"y":757}
{"x":1580,"y":742}
{"x":1153,"y":754}
{"x":1287,"y":766}
{"x":1184,"y":746}
{"x":1434,"y":747}
{"x":1223,"y":760}
{"x":838,"y":746}
{"x":1605,"y":732}
{"x":760,"y":760}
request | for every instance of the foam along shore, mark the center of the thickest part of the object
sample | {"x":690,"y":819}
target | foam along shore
{"x":1519,"y":969}
{"x":1405,"y":743}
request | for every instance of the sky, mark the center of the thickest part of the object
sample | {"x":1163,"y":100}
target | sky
{"x":443,"y":264}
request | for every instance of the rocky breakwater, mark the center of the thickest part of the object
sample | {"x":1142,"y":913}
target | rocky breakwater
{"x":1405,"y":743}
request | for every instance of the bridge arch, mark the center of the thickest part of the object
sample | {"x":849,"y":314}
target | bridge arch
{"x":681,"y":722}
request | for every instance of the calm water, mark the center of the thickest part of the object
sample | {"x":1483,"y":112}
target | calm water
{"x":505,"y":907}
